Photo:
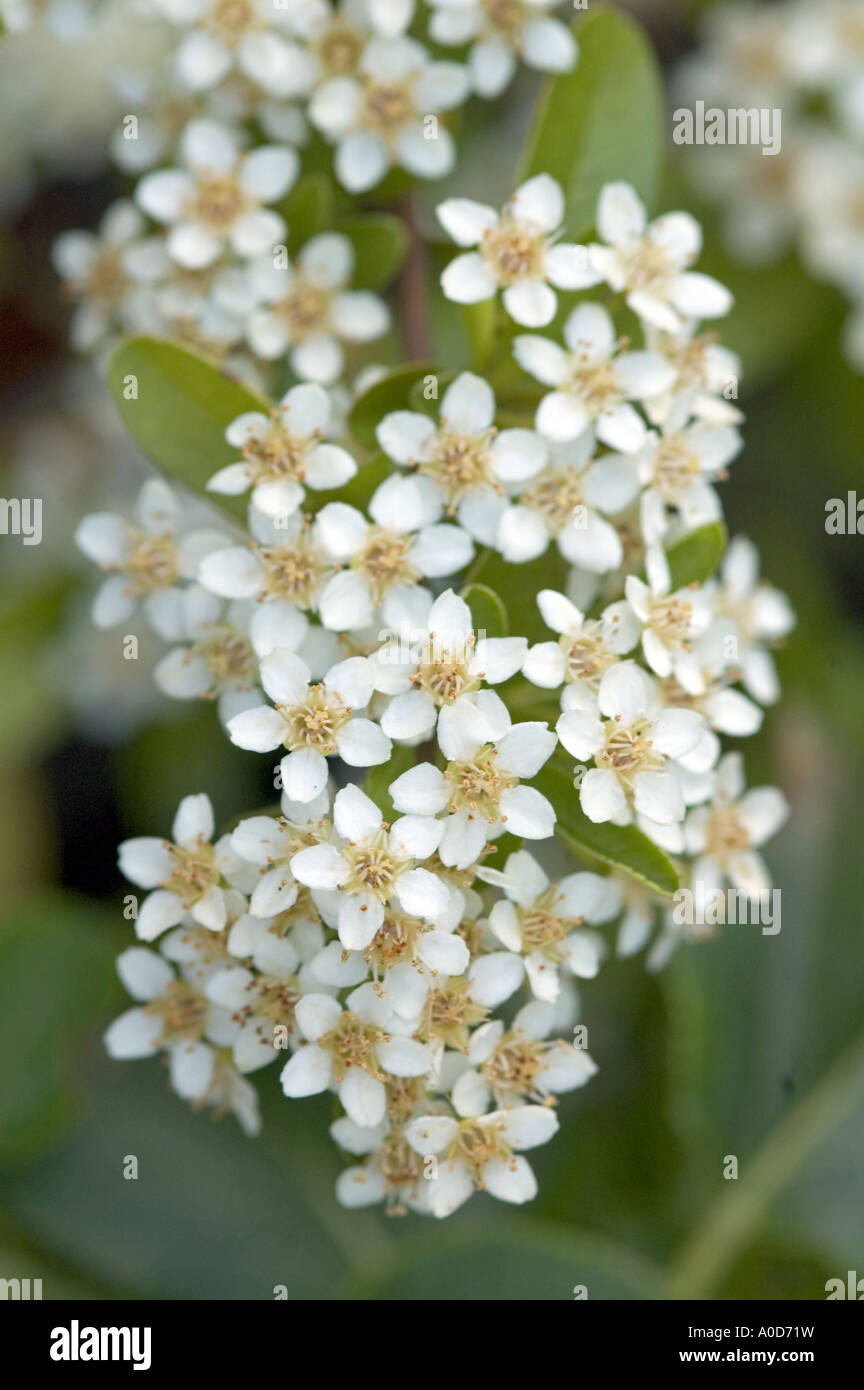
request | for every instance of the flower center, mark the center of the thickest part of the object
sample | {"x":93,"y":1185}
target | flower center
{"x":476,"y":1144}
{"x":555,"y":496}
{"x":277,"y":454}
{"x":339,"y":49}
{"x":152,"y":562}
{"x":507,"y":16}
{"x":446,"y":678}
{"x":384,"y":561}
{"x":182,"y":1010}
{"x":352,"y":1043}
{"x":646,"y":266}
{"x":217,"y":201}
{"x":514,"y":1066}
{"x":194,"y":872}
{"x":229,"y":656}
{"x":314,"y":724}
{"x":670,"y":618}
{"x":373,"y":867}
{"x":459,"y":463}
{"x":293,"y":572}
{"x":629,"y":751}
{"x":595,"y":387}
{"x":675,"y":467}
{"x":277,"y":999}
{"x":305,"y":309}
{"x":476,"y":785}
{"x":725,"y":834}
{"x":514,"y":251}
{"x":388,"y":107}
{"x":229,"y":20}
{"x":395,"y":941}
{"x":587,"y":655}
{"x":449,"y":1014}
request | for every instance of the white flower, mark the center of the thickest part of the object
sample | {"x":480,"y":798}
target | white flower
{"x":594,"y":381}
{"x":647,"y":262}
{"x":676,"y":469}
{"x":388,"y":113}
{"x":147,"y":561}
{"x":540,"y":920}
{"x":670,"y":621}
{"x":761,"y":615}
{"x":109,"y":272}
{"x":500,"y":34}
{"x":725,"y":835}
{"x":517,"y":251}
{"x":309,"y":312}
{"x":351,"y":1050}
{"x":386,"y":558}
{"x":217,"y":199}
{"x":564,"y":501}
{"x":186,"y":872}
{"x":465,"y":456}
{"x":479,"y":789}
{"x":287,"y":566}
{"x":223,"y":34}
{"x":174,"y":1016}
{"x":313,"y":722}
{"x":635,"y":745}
{"x":586,"y":648}
{"x":437,"y":665}
{"x":218,"y":660}
{"x":283,"y":452}
{"x":511,"y":1067}
{"x":268,"y":845}
{"x":482,"y":1152}
{"x":706,"y":377}
{"x":374,"y":867}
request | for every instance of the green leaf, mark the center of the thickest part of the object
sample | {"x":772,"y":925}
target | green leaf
{"x":391,"y":392}
{"x":618,"y":846}
{"x":487,"y":610}
{"x":55,"y":975}
{"x":517,"y":587}
{"x":380,"y":243}
{"x":183,"y":406}
{"x":308,"y":209}
{"x":32,"y":706}
{"x":695,"y":558}
{"x":601,"y":122}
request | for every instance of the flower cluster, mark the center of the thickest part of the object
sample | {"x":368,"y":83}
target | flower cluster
{"x":399,"y":928}
{"x":804,"y":64}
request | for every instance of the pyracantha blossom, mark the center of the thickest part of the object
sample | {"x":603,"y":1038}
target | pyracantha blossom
{"x":479,"y":792}
{"x":725,"y":834}
{"x":510,"y":1067}
{"x":671,"y":622}
{"x":175,"y":1017}
{"x":185,"y":873}
{"x":307,"y":310}
{"x":253,"y":36}
{"x":465,"y":456}
{"x":636,"y":746}
{"x":565,"y":501}
{"x":518,"y":251}
{"x":383,"y":115}
{"x":761,"y":615}
{"x":109,"y":273}
{"x":481,"y":1152}
{"x":313,"y":722}
{"x":268,"y":844}
{"x":541,"y":920}
{"x":594,"y":381}
{"x":437,"y":665}
{"x":586,"y":648}
{"x":283,"y":452}
{"x":706,"y":377}
{"x":147,"y":561}
{"x":217,"y":200}
{"x":648,"y":262}
{"x":353,"y":1051}
{"x":218,"y":659}
{"x":675,"y":470}
{"x":500,"y":35}
{"x":370,"y":866}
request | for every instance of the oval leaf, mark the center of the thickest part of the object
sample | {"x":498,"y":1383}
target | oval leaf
{"x":695,"y":558}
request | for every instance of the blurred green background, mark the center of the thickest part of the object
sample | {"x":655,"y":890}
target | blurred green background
{"x":749,"y":1046}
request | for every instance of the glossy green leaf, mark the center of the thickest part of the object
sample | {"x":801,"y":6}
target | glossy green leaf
{"x":380,"y":242}
{"x":391,"y":392}
{"x":622,"y":847}
{"x":180,"y":410}
{"x":601,"y":122}
{"x":695,"y":557}
{"x":308,"y":209}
